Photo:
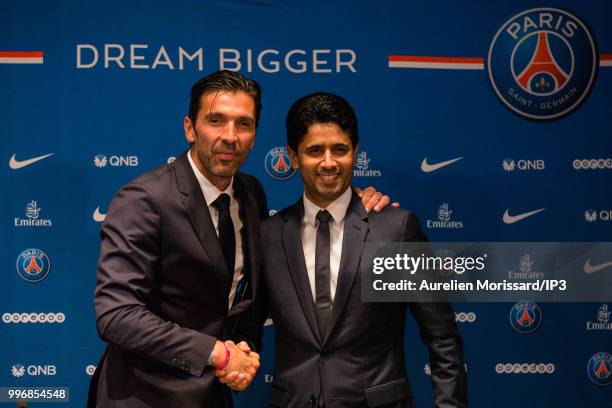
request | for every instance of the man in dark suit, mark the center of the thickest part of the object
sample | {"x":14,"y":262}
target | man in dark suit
{"x":332,"y":349}
{"x":179,"y":262}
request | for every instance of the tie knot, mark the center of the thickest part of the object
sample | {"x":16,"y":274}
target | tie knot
{"x":222,"y":202}
{"x":324,"y":216}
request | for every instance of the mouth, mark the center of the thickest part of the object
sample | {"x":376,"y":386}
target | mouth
{"x":227,"y":155}
{"x":329,"y":179}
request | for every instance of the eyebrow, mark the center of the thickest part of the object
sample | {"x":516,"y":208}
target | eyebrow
{"x":320,"y":145}
{"x":214,"y":113}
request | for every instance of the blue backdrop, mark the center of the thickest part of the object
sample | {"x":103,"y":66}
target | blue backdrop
{"x":102,"y":88}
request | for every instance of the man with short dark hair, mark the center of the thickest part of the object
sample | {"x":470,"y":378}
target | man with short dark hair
{"x":332,"y":349}
{"x":179,"y":262}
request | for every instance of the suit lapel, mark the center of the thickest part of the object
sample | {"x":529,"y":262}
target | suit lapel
{"x":197,"y":210}
{"x":355,"y":232}
{"x":294,"y":254}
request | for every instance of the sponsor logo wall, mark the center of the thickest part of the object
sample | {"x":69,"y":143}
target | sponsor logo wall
{"x":496,"y":130}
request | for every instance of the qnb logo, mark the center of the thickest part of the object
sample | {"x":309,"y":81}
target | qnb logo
{"x":592,"y":164}
{"x":33,"y":218}
{"x":525,"y":317}
{"x":278,"y":163}
{"x":90,"y":369}
{"x":9,"y":318}
{"x":444,"y":219}
{"x":362,"y":166}
{"x":591,"y":215}
{"x":462,"y":317}
{"x":18,"y":370}
{"x":525,"y":368}
{"x":522,"y":164}
{"x":101,"y":161}
{"x":599,"y":368}
{"x":542,"y":63}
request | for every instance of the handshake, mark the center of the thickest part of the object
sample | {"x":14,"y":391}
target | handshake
{"x":235,"y":364}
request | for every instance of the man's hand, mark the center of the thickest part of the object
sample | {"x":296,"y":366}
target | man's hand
{"x":372,"y":199}
{"x":242,"y":367}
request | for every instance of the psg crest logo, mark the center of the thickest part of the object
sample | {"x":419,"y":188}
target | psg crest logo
{"x":278,"y":164}
{"x":525,"y":317}
{"x":599,"y":368}
{"x":542,"y":63}
{"x":33,"y":265}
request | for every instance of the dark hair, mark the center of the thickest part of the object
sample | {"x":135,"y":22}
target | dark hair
{"x":319,"y":107}
{"x":228,"y":81}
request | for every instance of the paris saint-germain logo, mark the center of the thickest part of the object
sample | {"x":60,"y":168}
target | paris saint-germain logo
{"x":542,"y":63}
{"x":525,"y":317}
{"x":278,"y":163}
{"x":33,"y":265}
{"x":599,"y":368}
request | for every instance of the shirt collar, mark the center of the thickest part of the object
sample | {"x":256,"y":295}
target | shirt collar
{"x":337,"y":208}
{"x":210,"y":191}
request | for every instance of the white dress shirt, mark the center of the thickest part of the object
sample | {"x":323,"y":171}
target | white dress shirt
{"x":337,"y":209}
{"x":211,"y":193}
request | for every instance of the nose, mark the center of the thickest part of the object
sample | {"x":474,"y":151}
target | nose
{"x":328,"y":159}
{"x":230,"y":133}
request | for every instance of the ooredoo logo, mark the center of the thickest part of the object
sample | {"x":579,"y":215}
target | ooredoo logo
{"x":592,"y":164}
{"x":542,"y":63}
{"x":465,"y":317}
{"x":9,"y":318}
{"x":525,"y":368}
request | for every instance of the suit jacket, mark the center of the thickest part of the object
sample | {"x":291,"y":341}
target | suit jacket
{"x":359,"y":361}
{"x":162,"y":289}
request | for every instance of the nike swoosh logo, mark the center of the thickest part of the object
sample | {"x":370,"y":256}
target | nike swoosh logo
{"x":428,"y":168}
{"x":511,"y":219}
{"x":98,"y":216}
{"x":588,"y":268}
{"x":17,"y":164}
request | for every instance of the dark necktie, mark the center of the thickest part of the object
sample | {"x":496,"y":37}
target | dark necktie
{"x":226,"y":231}
{"x":322,"y":271}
